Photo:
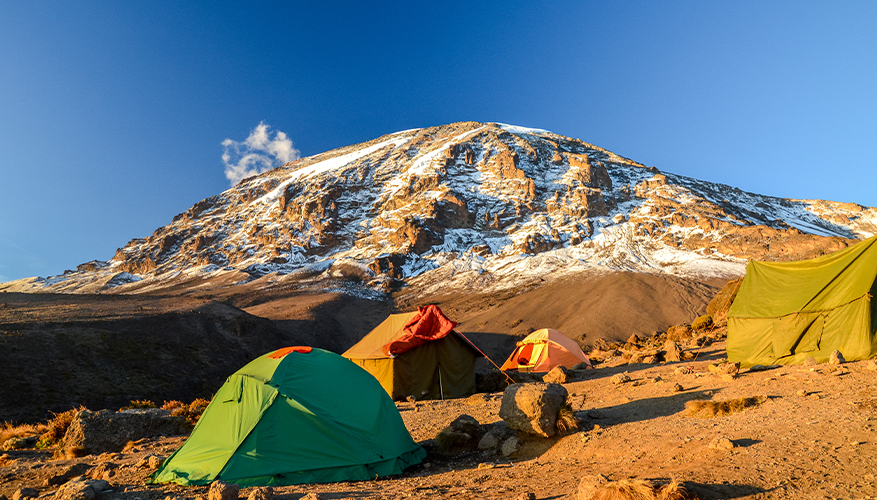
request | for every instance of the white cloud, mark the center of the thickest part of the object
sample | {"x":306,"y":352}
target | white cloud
{"x":257,"y":153}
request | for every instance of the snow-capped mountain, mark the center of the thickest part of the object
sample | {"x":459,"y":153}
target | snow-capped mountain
{"x":481,"y":206}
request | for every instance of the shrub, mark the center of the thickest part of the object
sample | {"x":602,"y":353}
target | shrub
{"x":702,"y":322}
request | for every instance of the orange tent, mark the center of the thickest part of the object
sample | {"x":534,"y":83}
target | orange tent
{"x":544,"y":349}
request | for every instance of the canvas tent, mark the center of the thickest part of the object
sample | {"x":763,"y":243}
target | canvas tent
{"x":297,"y":415}
{"x":786,"y":312}
{"x":418,"y":354}
{"x":544,"y":349}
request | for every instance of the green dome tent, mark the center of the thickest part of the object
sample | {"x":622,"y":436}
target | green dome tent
{"x":786,"y":312}
{"x":296,"y":415}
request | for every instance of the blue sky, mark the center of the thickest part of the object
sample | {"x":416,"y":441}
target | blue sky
{"x":113,"y":114}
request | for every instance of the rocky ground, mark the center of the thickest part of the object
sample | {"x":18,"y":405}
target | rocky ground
{"x":814,"y":436}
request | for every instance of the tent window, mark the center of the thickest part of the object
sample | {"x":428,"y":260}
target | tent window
{"x":525,"y":355}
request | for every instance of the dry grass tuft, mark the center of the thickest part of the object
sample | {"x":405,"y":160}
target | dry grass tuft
{"x":192,"y":411}
{"x":57,"y":427}
{"x":139,"y":404}
{"x":5,"y":460}
{"x":637,"y":489}
{"x":566,"y":419}
{"x":710,"y":409}
{"x":9,"y":431}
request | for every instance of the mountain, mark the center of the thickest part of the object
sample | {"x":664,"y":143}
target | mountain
{"x":465,"y":206}
{"x":508,"y":229}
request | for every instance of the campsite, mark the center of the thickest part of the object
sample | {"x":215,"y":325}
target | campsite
{"x":670,"y":410}
{"x":815,"y":437}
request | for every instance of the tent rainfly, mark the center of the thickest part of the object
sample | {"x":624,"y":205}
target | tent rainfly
{"x":544,"y":349}
{"x":786,"y":312}
{"x":296,"y":415}
{"x":418,"y":354}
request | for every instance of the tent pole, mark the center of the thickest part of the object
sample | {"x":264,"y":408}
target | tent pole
{"x":441,"y":389}
{"x":510,"y":380}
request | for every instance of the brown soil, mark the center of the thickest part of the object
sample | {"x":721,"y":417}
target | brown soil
{"x":814,"y":437}
{"x":59,"y":351}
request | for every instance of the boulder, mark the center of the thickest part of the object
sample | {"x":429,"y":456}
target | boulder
{"x":109,"y":431}
{"x":532,"y":408}
{"x":557,"y":375}
{"x":220,"y":490}
{"x":463,"y":434}
{"x":81,"y":488}
{"x":672,"y":351}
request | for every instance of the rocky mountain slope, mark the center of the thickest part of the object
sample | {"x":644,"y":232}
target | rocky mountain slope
{"x":464,"y":206}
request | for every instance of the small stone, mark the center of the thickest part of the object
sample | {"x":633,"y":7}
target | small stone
{"x":511,"y":446}
{"x":620,"y":378}
{"x":721,"y":443}
{"x":802,"y":393}
{"x":526,"y":496}
{"x":313,"y":496}
{"x":25,"y":493}
{"x":684,"y":370}
{"x":486,"y":466}
{"x":488,"y":441}
{"x":411,"y":399}
{"x":633,"y":339}
{"x":650,"y":360}
{"x":871,"y":365}
{"x":427,"y":465}
{"x":596,"y":415}
{"x":678,"y":388}
{"x":811,"y":361}
{"x":261,"y":493}
{"x":727,"y":377}
{"x":220,"y":490}
{"x":836,"y":358}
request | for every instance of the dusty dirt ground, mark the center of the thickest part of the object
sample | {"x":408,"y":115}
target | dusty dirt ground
{"x":815,"y":437}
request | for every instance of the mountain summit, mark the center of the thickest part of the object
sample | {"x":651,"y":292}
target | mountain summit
{"x":466,"y":205}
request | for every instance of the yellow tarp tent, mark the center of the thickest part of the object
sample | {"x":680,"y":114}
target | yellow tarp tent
{"x":786,"y":312}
